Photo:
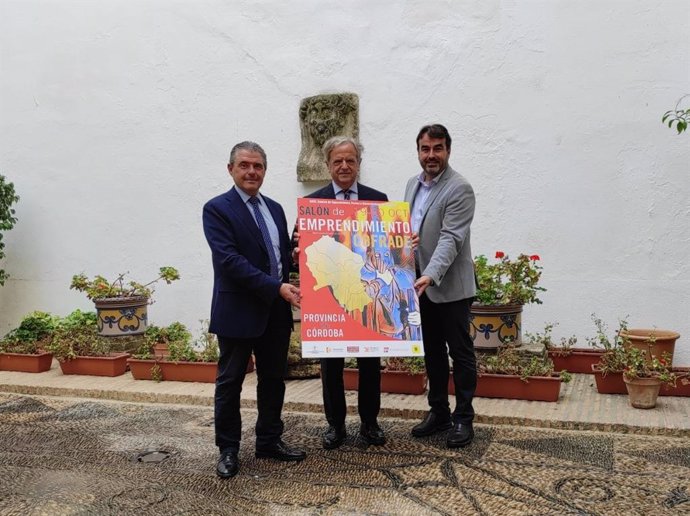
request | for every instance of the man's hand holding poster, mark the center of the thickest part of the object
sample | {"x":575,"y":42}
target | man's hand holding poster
{"x":356,"y":276}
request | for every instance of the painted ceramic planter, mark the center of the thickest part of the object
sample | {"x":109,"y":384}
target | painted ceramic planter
{"x":654,"y":341}
{"x":122,"y":316}
{"x":682,"y":387}
{"x":643,"y":392}
{"x":26,"y":363}
{"x":575,"y":360}
{"x":114,"y":365}
{"x":493,"y":326}
{"x":612,"y":383}
{"x":204,"y":372}
{"x":536,"y":388}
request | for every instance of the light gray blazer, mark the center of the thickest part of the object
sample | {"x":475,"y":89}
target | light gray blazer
{"x":444,"y":252}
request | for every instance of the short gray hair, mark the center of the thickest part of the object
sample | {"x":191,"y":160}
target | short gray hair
{"x":336,"y":141}
{"x":248,"y":146}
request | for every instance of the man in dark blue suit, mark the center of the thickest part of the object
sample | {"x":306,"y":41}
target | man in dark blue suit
{"x":343,"y":157}
{"x":250,"y":309}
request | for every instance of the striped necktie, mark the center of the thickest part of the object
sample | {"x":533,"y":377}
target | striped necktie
{"x":346,"y":194}
{"x":261,"y":222}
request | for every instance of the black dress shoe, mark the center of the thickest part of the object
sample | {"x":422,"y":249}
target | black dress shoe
{"x":461,"y":435}
{"x":334,"y":437}
{"x":228,"y":465}
{"x":280,"y":451}
{"x":372,"y":434}
{"x":432,"y":423}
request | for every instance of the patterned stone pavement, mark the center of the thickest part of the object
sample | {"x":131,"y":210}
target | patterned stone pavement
{"x":77,"y":456}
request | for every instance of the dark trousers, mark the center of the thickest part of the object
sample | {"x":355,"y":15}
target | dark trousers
{"x":445,"y":328}
{"x":368,"y":396}
{"x":270,"y":352}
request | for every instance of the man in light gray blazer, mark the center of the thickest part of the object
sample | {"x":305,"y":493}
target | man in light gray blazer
{"x":442,"y":203}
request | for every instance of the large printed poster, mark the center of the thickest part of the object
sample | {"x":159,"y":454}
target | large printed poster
{"x":357,"y":279}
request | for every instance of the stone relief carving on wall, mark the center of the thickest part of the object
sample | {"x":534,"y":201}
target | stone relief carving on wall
{"x":321,"y":117}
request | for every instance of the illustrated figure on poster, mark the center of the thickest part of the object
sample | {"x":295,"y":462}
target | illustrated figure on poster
{"x":393,"y":310}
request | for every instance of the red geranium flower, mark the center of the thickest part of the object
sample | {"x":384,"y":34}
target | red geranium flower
{"x":500,"y":254}
{"x":534,"y":257}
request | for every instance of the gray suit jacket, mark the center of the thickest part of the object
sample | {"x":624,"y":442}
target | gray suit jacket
{"x":444,"y":252}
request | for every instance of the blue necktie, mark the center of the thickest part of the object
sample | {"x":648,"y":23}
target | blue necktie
{"x":261,"y":222}
{"x":346,"y":194}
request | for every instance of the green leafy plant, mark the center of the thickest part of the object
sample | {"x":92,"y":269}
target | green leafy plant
{"x":298,"y":366}
{"x":412,"y":365}
{"x":182,"y":351}
{"x":510,"y":361}
{"x":100,"y":288}
{"x":77,"y":335}
{"x":8,"y":197}
{"x":179,"y":342}
{"x":156,"y":373}
{"x":33,"y":334}
{"x":508,"y":282}
{"x":545,"y":339}
{"x":614,"y":357}
{"x":638,"y":366}
{"x":678,"y":116}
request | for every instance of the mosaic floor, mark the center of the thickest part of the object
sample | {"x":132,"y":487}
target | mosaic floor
{"x":70,"y":456}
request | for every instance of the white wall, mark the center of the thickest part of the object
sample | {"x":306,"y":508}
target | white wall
{"x":117,"y":117}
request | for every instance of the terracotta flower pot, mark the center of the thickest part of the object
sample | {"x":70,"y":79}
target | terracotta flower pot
{"x":402,"y":382}
{"x":351,"y":379}
{"x":396,"y":382}
{"x":682,"y":387}
{"x":575,"y":360}
{"x":654,"y":341}
{"x":642,"y":392}
{"x":536,"y":388}
{"x":26,"y":363}
{"x":493,"y":326}
{"x":120,"y":316}
{"x":114,"y":365}
{"x":204,"y":372}
{"x":612,"y":383}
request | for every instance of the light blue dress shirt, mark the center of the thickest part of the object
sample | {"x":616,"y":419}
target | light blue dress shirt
{"x":270,"y":224}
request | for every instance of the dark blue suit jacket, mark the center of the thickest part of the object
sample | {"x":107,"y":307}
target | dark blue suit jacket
{"x":243,"y":290}
{"x":364,"y":193}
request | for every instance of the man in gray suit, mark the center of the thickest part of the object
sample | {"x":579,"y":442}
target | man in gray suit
{"x":442,"y":204}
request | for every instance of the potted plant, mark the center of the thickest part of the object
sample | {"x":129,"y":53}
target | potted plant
{"x":399,"y":375}
{"x":79,"y":348}
{"x":682,"y":385}
{"x":503,"y":288}
{"x":8,"y":197}
{"x":299,"y":368}
{"x":23,"y":348}
{"x":643,"y":377}
{"x":608,"y":372}
{"x":515,"y":375}
{"x":293,"y":279}
{"x":678,"y":116}
{"x":567,"y":356}
{"x":351,"y":375}
{"x":121,"y":306}
{"x":651,"y":342}
{"x":403,"y":375}
{"x":183,"y":361}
